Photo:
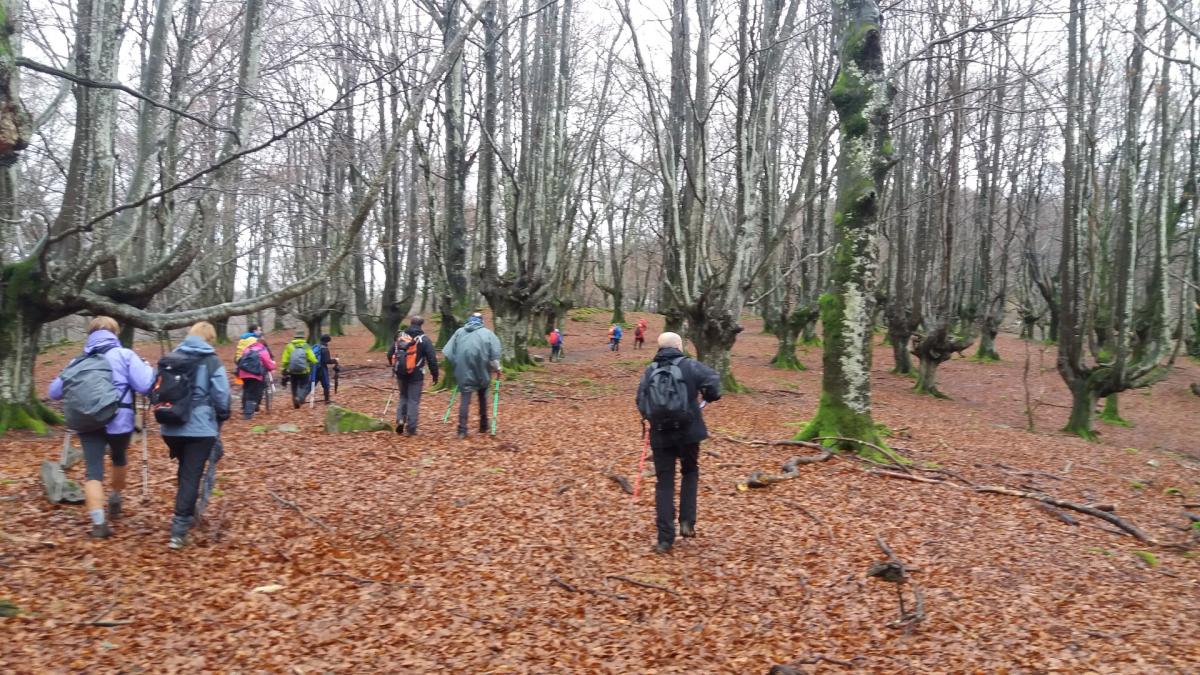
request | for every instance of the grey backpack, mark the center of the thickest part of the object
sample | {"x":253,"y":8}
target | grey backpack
{"x":90,"y":400}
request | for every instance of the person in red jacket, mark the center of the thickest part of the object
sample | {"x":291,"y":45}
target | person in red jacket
{"x":639,"y":334}
{"x":253,"y":367}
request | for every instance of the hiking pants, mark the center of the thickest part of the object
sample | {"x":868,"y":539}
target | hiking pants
{"x":300,"y":388}
{"x":95,"y":443}
{"x":615,"y":345}
{"x":408,"y":410}
{"x":252,"y":393}
{"x":464,"y":409}
{"x":556,"y":353}
{"x":321,"y":375}
{"x":192,"y":454}
{"x":664,"y":488}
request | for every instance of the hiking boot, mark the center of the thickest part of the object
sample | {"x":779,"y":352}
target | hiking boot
{"x":177,"y":543}
{"x":101,"y":531}
{"x":114,"y":507}
{"x":662,"y":547}
{"x":462,"y":434}
{"x":687,"y":529}
{"x":400,"y":429}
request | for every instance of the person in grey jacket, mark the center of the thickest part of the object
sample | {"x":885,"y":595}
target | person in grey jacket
{"x":475,"y":353}
{"x":196,"y":442}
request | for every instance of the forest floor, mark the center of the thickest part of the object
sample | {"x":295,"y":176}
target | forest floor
{"x":517,"y":553}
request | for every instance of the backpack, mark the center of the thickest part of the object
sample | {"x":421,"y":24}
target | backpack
{"x":171,"y":396}
{"x":90,"y":399}
{"x":298,"y":361}
{"x":639,"y":332}
{"x":554,"y":338}
{"x":409,"y":356}
{"x":664,"y":400}
{"x":251,"y":362}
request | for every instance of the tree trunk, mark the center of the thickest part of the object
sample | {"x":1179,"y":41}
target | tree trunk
{"x":1083,"y":405}
{"x":1112,"y":412}
{"x":20,"y":326}
{"x":863,"y":102}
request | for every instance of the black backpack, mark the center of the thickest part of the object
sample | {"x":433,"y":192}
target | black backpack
{"x":664,"y":400}
{"x":171,"y":396}
{"x":251,"y":362}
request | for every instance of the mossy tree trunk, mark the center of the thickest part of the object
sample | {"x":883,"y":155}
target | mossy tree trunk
{"x":20,"y":324}
{"x":862,"y":98}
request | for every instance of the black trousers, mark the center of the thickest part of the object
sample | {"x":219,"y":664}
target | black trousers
{"x":94,"y":443}
{"x":252,"y":393}
{"x":192,"y":454}
{"x":688,"y":457}
{"x":301,"y":385}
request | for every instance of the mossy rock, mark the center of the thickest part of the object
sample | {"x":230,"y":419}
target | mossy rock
{"x":8,"y":609}
{"x":288,"y":428}
{"x":339,"y":420}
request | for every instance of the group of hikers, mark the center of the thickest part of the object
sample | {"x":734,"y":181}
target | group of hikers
{"x":190,"y":397}
{"x":615,"y":333}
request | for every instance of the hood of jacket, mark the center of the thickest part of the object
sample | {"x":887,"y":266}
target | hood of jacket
{"x":194,"y":344}
{"x":248,"y":334}
{"x":667,"y":354}
{"x":101,"y":339}
{"x":472,"y":326}
{"x":414,"y":331}
{"x":299,"y":342}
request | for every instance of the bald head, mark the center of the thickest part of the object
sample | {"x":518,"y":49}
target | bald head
{"x":670,"y":340}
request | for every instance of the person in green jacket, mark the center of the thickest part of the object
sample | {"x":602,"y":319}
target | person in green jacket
{"x":475,"y":353}
{"x":298,"y":360}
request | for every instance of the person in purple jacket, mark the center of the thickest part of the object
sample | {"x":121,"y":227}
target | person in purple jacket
{"x":130,"y":374}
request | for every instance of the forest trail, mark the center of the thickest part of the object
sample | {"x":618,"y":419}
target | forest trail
{"x":519,"y":554}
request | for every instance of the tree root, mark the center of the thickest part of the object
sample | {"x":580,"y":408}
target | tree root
{"x":622,"y":481}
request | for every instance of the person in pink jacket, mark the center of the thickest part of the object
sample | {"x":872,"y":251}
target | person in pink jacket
{"x":252,"y":368}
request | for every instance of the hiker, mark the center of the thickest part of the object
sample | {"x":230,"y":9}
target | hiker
{"x":614,"y":338}
{"x":298,"y":360}
{"x":320,"y":372}
{"x":475,"y":353}
{"x":410,"y":353}
{"x":252,"y":368}
{"x":667,"y":400}
{"x":639,"y":334}
{"x":555,"y":339}
{"x":191,"y":401}
{"x":109,"y":374}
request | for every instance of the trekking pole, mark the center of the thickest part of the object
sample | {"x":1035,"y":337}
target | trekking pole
{"x":637,"y":483}
{"x":453,"y":395}
{"x":495,"y":405}
{"x":386,"y":406}
{"x":145,"y":452}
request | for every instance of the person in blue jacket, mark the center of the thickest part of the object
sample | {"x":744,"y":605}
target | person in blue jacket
{"x":196,"y":442}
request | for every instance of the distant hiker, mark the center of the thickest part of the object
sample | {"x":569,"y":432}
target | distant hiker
{"x":667,"y":400}
{"x":248,"y":338}
{"x":475,"y":353}
{"x":410,"y":353}
{"x":190,"y":401}
{"x":98,"y":392}
{"x":555,"y":339}
{"x":614,"y":337}
{"x":639,"y":334}
{"x":252,"y":369}
{"x":298,"y":360}
{"x":320,"y":372}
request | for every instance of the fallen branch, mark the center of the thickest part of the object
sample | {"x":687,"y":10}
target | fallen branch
{"x":1089,"y":510}
{"x":1101,"y":511}
{"x":643,"y":584}
{"x":896,"y":571}
{"x":809,"y":514}
{"x":622,"y":481}
{"x":800,"y":444}
{"x":1058,"y":513}
{"x":380,"y":532}
{"x":896,"y":457}
{"x":575,"y":589}
{"x":792,"y":669}
{"x":791,"y":469}
{"x":296,"y":507}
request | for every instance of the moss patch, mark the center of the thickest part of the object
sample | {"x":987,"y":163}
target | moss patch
{"x":339,"y":420}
